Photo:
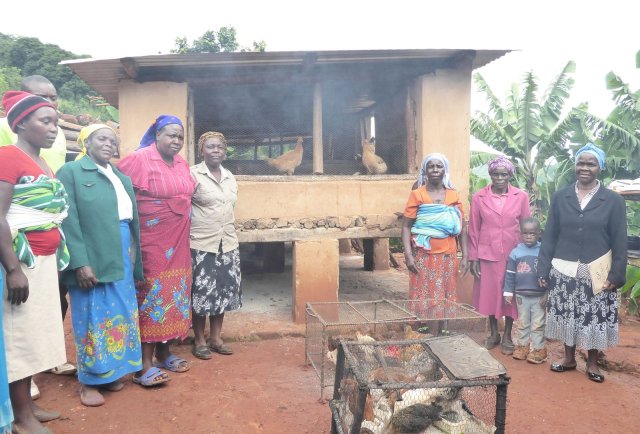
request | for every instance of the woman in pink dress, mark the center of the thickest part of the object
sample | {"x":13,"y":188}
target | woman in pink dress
{"x":163,"y":187}
{"x":494,"y":230}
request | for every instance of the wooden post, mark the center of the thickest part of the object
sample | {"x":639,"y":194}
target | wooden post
{"x":410,"y":122}
{"x":318,"y":167}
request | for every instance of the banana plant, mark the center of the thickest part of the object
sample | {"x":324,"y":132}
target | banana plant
{"x":533,"y":131}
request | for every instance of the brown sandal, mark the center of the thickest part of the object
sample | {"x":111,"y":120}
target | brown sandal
{"x":220,"y":349}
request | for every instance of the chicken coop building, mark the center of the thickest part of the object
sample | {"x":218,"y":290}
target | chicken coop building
{"x":325,"y":144}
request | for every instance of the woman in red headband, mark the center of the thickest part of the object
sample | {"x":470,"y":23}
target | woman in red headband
{"x":32,"y":250}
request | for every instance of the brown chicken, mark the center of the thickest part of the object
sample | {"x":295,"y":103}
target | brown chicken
{"x":287,"y":162}
{"x":373,"y":163}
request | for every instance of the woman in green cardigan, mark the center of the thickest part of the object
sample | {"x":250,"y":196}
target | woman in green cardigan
{"x":102,"y":234}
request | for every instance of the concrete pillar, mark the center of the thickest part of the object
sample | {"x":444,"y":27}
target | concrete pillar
{"x":273,"y":258}
{"x":381,"y":253}
{"x":376,"y":254}
{"x":315,"y":274}
{"x":318,"y":163}
{"x":344,"y":246}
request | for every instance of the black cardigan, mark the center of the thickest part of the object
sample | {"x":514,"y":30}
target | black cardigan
{"x":573,"y":234}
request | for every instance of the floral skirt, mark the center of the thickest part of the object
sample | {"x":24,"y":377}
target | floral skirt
{"x":435,"y":281}
{"x":216,"y":282}
{"x":576,"y":316}
{"x":105,"y":325}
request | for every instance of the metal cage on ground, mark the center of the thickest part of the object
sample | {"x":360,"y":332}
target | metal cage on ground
{"x":380,"y":320}
{"x":446,"y":384}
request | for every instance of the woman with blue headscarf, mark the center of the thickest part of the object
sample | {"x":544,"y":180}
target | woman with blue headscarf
{"x":433,"y":218}
{"x":582,"y":262}
{"x":163,"y":187}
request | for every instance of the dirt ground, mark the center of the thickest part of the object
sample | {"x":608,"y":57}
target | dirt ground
{"x":265,"y":387}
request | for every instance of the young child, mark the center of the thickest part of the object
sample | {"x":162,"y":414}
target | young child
{"x":521,"y":279}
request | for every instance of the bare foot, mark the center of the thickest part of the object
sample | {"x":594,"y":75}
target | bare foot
{"x":91,"y":396}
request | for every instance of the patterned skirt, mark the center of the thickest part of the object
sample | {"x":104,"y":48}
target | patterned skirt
{"x":576,"y":316}
{"x":216,"y":282}
{"x":435,"y":281}
{"x":105,"y":325}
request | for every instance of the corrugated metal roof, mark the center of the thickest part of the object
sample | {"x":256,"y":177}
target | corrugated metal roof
{"x":103,"y":75}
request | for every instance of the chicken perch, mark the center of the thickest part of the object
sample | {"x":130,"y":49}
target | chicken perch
{"x":374,"y":164}
{"x":287,"y":162}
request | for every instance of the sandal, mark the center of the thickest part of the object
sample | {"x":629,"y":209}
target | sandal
{"x":201,"y":351}
{"x":598,"y":378}
{"x":173,"y":363}
{"x":91,"y":396}
{"x":151,"y":378}
{"x":220,"y":349}
{"x":492,"y":342}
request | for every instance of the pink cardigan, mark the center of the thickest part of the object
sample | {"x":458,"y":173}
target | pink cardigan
{"x":492,"y":235}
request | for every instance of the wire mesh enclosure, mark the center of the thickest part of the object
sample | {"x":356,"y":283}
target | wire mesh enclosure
{"x":446,"y":384}
{"x":270,"y":127}
{"x":381,"y":320}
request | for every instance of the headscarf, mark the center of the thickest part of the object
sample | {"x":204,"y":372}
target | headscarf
{"x":210,"y":135}
{"x":501,"y":162}
{"x":19,"y":104}
{"x":595,"y":151}
{"x":161,"y":122}
{"x":84,"y":135}
{"x":446,"y":181}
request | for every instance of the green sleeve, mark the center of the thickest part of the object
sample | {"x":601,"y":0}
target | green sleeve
{"x":71,"y":224}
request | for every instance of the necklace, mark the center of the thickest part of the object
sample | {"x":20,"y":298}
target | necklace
{"x":46,"y":169}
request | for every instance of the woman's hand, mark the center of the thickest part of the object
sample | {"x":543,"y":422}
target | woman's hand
{"x":475,"y":269}
{"x":17,"y":286}
{"x":543,"y":282}
{"x":463,"y":268}
{"x":608,"y":286}
{"x":411,"y":263}
{"x":86,"y":278}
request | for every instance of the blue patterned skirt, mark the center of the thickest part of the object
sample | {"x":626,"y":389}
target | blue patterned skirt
{"x":105,"y":325}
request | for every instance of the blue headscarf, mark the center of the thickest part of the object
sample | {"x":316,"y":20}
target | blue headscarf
{"x":446,"y":180}
{"x":595,"y":151}
{"x":161,"y":122}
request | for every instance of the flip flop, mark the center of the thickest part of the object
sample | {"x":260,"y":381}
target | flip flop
{"x":201,"y":351}
{"x":148,"y":378}
{"x":220,"y":349}
{"x":173,"y":363}
{"x":90,"y":396}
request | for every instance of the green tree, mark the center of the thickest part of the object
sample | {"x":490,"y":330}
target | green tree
{"x":619,"y":133}
{"x":212,"y":41}
{"x":9,"y":79}
{"x":533,"y":132}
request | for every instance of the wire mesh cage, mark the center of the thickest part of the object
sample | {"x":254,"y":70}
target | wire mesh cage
{"x":270,"y":127}
{"x":441,"y":384}
{"x":380,"y":320}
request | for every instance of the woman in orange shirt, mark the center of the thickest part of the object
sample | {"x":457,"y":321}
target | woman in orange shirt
{"x":433,"y":218}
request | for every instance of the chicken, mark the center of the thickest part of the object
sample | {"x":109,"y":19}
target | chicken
{"x":287,"y":162}
{"x":413,"y":419}
{"x":373,"y":163}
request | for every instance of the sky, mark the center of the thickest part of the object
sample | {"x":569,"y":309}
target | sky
{"x":599,"y":35}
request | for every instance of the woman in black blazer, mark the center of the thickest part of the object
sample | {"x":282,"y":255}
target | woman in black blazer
{"x":582,"y":262}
